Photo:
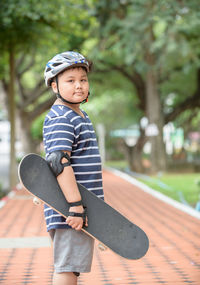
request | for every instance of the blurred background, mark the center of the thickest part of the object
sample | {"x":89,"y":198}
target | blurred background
{"x":145,"y":84}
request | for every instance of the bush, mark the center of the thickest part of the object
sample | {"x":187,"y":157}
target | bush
{"x":2,"y":193}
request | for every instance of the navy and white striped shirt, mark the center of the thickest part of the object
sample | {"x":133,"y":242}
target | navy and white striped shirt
{"x":65,"y":130}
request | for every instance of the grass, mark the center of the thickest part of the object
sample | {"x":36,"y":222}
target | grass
{"x":119,"y":164}
{"x":183,"y":187}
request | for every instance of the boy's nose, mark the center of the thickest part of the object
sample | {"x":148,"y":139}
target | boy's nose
{"x":78,"y":84}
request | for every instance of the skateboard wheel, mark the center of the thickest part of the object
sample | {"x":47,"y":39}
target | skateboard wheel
{"x":102,"y":247}
{"x":36,"y":201}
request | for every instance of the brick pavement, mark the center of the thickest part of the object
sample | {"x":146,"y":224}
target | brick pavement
{"x":173,"y":257}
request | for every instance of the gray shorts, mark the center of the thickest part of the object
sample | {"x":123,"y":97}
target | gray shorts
{"x":72,"y":250}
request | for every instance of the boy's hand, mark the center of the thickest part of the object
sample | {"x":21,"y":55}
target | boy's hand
{"x":76,"y":222}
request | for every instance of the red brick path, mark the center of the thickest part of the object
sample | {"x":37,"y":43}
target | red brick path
{"x":173,"y":257}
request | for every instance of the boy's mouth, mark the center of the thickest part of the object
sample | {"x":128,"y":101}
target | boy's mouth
{"x":78,"y":93}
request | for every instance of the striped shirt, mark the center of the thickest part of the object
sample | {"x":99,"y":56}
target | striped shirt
{"x":65,"y":130}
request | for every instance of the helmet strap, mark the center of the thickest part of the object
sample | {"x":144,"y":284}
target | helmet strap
{"x":66,"y":101}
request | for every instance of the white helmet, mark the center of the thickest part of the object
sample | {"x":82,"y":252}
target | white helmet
{"x":63,"y":61}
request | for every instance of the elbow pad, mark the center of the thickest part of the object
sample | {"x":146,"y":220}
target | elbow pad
{"x":55,"y":161}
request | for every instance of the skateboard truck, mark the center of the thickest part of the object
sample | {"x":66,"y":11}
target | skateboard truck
{"x":36,"y":201}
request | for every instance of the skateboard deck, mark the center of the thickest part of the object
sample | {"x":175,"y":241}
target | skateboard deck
{"x":104,"y":223}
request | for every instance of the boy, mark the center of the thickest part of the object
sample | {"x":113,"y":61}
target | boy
{"x":72,"y":151}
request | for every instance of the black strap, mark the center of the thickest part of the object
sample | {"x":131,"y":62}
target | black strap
{"x":74,"y":214}
{"x":74,"y":204}
{"x":66,"y":164}
{"x":81,"y":215}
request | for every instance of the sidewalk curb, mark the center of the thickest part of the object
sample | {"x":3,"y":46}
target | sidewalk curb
{"x":25,"y":242}
{"x":184,"y":208}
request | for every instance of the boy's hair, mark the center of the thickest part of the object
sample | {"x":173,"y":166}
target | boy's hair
{"x":63,"y":61}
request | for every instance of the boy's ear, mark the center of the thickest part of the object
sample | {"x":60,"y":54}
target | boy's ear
{"x":54,"y":87}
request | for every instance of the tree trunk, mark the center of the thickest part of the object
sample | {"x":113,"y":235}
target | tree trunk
{"x":154,"y":114}
{"x":137,"y":158}
{"x":26,"y":139}
{"x":12,"y":107}
{"x":134,"y":154}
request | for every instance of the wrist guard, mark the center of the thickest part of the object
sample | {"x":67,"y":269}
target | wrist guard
{"x":74,"y":204}
{"x":81,"y":215}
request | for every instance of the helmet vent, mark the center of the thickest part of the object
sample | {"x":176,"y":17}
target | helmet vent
{"x":57,"y":63}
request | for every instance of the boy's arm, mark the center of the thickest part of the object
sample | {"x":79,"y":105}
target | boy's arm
{"x":67,"y":183}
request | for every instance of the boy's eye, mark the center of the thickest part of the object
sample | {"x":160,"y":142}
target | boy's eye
{"x":72,"y":80}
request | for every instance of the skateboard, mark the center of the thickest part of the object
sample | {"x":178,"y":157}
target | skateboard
{"x":105,"y":224}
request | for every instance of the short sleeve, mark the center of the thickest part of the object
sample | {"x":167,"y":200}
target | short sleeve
{"x":58,"y":134}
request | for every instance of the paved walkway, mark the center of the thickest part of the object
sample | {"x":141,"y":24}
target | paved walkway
{"x":173,"y":257}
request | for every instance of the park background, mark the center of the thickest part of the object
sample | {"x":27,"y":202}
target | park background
{"x":145,"y":84}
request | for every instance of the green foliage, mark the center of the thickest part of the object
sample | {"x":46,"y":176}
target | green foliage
{"x":36,"y":129}
{"x":112,"y":101}
{"x":36,"y":31}
{"x":42,"y":28}
{"x":163,"y":27}
{"x":113,"y":108}
{"x":22,"y":23}
{"x":131,"y":31}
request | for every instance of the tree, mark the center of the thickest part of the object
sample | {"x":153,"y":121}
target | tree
{"x":146,"y":41}
{"x":21,"y":26}
{"x":67,"y":29}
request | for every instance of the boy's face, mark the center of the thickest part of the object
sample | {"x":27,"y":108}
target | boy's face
{"x":73,"y":85}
